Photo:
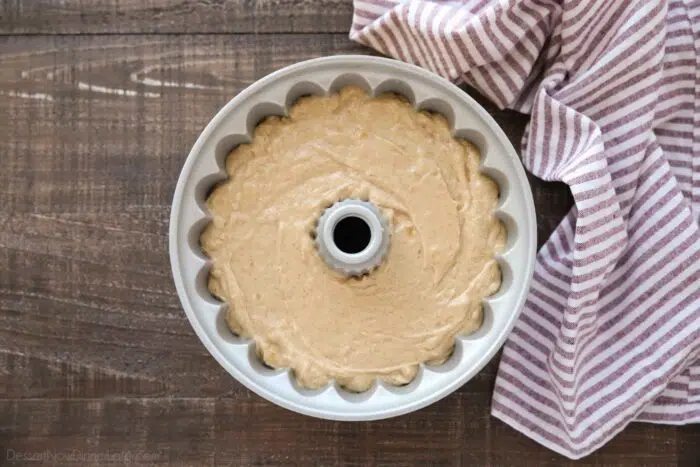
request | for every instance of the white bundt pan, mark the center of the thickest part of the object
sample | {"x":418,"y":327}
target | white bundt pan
{"x":273,"y":95}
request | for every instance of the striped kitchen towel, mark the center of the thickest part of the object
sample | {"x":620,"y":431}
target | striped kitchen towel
{"x":610,"y":332}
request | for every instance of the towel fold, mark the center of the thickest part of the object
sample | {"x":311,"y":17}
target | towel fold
{"x":610,"y":332}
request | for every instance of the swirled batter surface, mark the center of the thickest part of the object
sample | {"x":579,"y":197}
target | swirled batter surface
{"x":440,"y":264}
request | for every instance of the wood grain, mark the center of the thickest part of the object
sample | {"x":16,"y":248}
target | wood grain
{"x":96,"y":356}
{"x":249,"y":431}
{"x":174,"y":16}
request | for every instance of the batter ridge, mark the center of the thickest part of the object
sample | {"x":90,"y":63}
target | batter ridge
{"x":431,"y":285}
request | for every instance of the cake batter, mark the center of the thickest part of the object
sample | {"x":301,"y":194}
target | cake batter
{"x":440,"y":265}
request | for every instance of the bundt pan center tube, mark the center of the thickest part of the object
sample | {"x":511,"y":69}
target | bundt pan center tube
{"x":352,"y":236}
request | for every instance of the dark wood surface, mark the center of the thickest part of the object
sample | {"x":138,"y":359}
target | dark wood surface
{"x":98,"y":363}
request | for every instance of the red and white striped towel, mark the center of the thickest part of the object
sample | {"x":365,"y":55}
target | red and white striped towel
{"x":611,"y":330}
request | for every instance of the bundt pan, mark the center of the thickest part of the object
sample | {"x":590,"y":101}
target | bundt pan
{"x":273,"y":95}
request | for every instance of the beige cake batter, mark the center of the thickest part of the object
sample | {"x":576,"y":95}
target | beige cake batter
{"x":440,"y":264}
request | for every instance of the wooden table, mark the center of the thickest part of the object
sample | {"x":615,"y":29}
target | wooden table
{"x":100,"y":103}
